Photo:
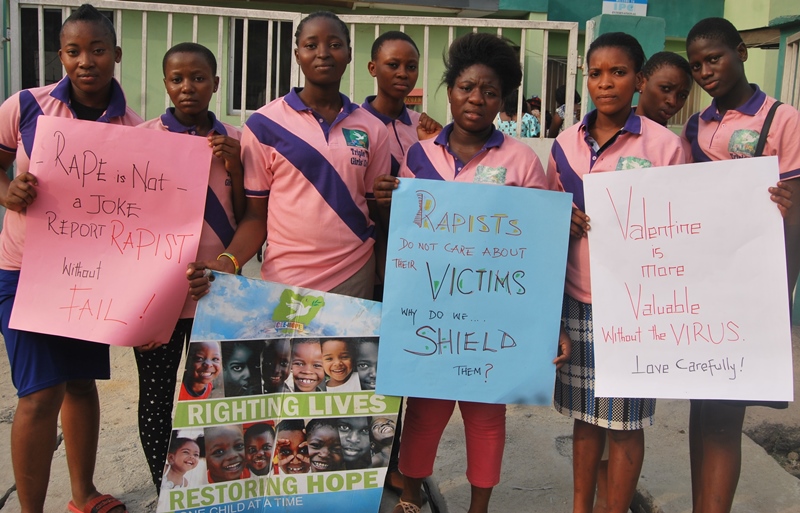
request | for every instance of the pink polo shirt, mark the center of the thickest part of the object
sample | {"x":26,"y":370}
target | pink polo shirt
{"x":18,"y":116}
{"x":219,"y":222}
{"x":402,"y":131}
{"x":708,"y":136}
{"x":503,"y":160}
{"x":318,"y":178}
{"x":641,"y":143}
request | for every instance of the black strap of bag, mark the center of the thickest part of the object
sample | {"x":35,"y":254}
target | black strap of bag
{"x":762,"y":138}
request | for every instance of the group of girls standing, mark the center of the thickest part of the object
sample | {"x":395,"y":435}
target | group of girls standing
{"x":297,"y":151}
{"x":312,"y":174}
{"x":616,"y":135}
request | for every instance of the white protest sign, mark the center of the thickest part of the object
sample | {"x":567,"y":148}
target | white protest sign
{"x":689,"y":287}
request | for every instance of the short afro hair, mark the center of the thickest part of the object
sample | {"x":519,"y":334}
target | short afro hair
{"x":290,"y":425}
{"x":661,"y":59}
{"x":194,"y":48}
{"x":258,"y":429}
{"x":719,"y":29}
{"x":392,"y":35}
{"x":315,"y":424}
{"x":489,"y":50}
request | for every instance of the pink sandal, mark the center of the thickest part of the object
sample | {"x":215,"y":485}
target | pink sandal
{"x":100,"y":504}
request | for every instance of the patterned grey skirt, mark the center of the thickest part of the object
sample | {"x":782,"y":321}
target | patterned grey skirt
{"x":574,"y":393}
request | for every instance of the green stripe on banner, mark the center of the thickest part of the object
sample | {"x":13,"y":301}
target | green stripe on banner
{"x":237,"y":410}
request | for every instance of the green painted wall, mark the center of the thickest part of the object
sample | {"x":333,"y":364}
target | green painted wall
{"x":538,"y":6}
{"x":676,"y":46}
{"x":131,"y":65}
{"x":648,"y":30}
{"x":680,"y":15}
{"x":534,"y":47}
{"x":762,"y":65}
{"x":780,"y":8}
{"x":789,"y":26}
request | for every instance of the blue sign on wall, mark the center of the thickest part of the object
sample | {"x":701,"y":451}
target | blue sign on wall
{"x":625,"y":7}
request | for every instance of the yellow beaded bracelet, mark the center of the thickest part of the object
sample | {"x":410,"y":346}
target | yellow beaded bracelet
{"x":236,"y":268}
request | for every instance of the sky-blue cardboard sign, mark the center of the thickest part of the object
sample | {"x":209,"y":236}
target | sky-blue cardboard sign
{"x":473,"y":292}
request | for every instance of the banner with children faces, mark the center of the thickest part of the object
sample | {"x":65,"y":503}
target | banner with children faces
{"x":277,"y":408}
{"x":116,"y":220}
{"x":473,"y":292}
{"x":689,"y":295}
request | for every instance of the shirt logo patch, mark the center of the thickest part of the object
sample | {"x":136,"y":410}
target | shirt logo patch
{"x":625,"y":163}
{"x":357,"y":138}
{"x":493,"y":175}
{"x":742,"y":144}
{"x":294,"y":312}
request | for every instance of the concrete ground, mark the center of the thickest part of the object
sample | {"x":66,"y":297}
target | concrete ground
{"x":537,"y":467}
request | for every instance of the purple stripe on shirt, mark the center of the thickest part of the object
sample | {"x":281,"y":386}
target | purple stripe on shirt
{"x":692,"y":129}
{"x":29,"y":112}
{"x":395,"y":168}
{"x":317,"y":170}
{"x":217,"y":218}
{"x":569,"y":178}
{"x":420,"y":165}
{"x":790,"y":174}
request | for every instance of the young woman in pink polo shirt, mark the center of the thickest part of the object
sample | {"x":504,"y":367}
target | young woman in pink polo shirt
{"x":55,"y":375}
{"x":481,"y":70}
{"x":395,"y":66}
{"x":190,"y":77}
{"x":607,"y":139}
{"x":724,"y":131}
{"x":666,"y":82}
{"x":311,"y":159}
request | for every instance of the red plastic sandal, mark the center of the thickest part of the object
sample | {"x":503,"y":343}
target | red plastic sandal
{"x":100,"y":504}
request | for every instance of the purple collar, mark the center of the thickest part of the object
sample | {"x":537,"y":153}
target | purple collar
{"x":748,"y":108}
{"x":495,"y":139}
{"x":116,"y":104}
{"x":294,"y":101}
{"x":403,"y":117}
{"x":169,"y":120}
{"x":633,"y":124}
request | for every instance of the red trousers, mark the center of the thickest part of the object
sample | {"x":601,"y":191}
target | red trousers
{"x":484,"y":427}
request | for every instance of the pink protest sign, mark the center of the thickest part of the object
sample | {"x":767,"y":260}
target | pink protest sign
{"x":117,"y":218}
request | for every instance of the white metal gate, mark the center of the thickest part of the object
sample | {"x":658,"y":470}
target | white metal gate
{"x":146,"y":20}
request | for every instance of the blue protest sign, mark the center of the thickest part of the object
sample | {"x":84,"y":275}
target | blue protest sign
{"x":473,"y":292}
